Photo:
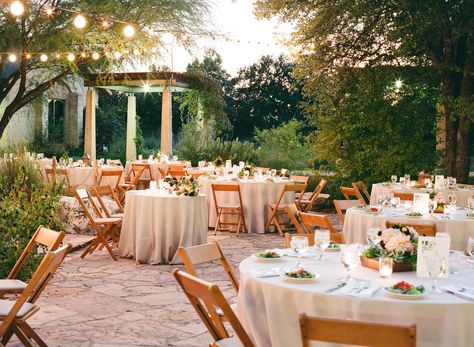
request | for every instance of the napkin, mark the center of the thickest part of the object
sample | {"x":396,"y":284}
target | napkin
{"x":361,"y":289}
{"x":273,"y":272}
{"x":460,"y":290}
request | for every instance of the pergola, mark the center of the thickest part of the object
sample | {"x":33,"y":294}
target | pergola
{"x":131,"y":83}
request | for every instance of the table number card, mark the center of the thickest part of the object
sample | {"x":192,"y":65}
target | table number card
{"x":421,"y":203}
{"x":439,"y":182}
{"x":431,"y":247}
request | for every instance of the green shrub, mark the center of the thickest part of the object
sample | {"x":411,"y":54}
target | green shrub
{"x":26,"y":202}
{"x":283,"y":146}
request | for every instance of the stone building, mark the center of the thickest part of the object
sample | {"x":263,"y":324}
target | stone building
{"x":58,"y":115}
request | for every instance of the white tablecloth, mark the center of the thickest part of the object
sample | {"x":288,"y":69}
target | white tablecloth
{"x":84,"y":177}
{"x":357,"y":221}
{"x":155,"y":225}
{"x":256,"y":195}
{"x":269,"y":307}
{"x":379,"y":189}
{"x":155,"y":167}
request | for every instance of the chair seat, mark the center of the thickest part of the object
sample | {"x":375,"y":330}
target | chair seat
{"x":12,"y":285}
{"x":229,"y":207}
{"x":6,"y":306}
{"x":107,"y":220}
{"x":118,"y":215}
{"x":230,"y":342}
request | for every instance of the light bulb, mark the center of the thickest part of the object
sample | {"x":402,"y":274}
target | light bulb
{"x":17,"y":8}
{"x":28,"y":56}
{"x":117,"y":55}
{"x":12,"y":58}
{"x":57,"y":55}
{"x":71,"y":57}
{"x":105,"y":24}
{"x":398,"y":84}
{"x":83,"y":54}
{"x":80,"y":21}
{"x":50,"y":11}
{"x":136,"y":51}
{"x":43,"y":58}
{"x":129,"y":31}
{"x":95,"y":56}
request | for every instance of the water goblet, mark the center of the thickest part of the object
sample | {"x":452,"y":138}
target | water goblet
{"x":432,"y":205}
{"x":175,"y":158}
{"x":436,"y":267}
{"x":470,"y":204}
{"x":299,"y":244}
{"x":452,"y":200}
{"x":140,"y":157}
{"x":373,"y":236}
{"x":246,"y":174}
{"x":470,"y":248}
{"x":393,"y":178}
{"x":350,"y":260}
{"x":322,"y":239}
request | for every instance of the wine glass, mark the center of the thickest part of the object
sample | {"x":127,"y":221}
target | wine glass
{"x":273,"y":172}
{"x":373,"y":236}
{"x":470,"y":204}
{"x":322,"y":239}
{"x":432,"y":204}
{"x":393,"y":178}
{"x":70,"y":161}
{"x":299,"y":244}
{"x":452,"y":199}
{"x":175,"y":158}
{"x":436,"y":267}
{"x":470,"y":248}
{"x":246,"y":174}
{"x":350,"y":260}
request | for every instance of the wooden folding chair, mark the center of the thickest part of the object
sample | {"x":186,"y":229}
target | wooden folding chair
{"x":422,"y":230}
{"x":111,"y":173}
{"x":307,"y":204}
{"x":288,"y":237}
{"x":362,"y":189}
{"x":14,"y":314}
{"x":100,"y":192}
{"x":300,"y":179}
{"x":55,"y":175}
{"x":163,"y":172}
{"x":228,"y":210}
{"x":138,"y":169}
{"x":107,"y":229}
{"x":403,"y":196}
{"x":322,"y":221}
{"x":196,"y":175}
{"x":114,"y":162}
{"x":349,"y":192}
{"x":176,"y":173}
{"x":342,"y":206}
{"x":42,"y":240}
{"x":349,"y":332}
{"x":277,"y":210}
{"x":205,"y":298}
{"x":292,"y":213}
{"x":130,"y":185}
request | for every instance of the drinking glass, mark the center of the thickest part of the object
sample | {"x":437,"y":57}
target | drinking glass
{"x":407,"y":177}
{"x":350,"y":260}
{"x":452,"y":199}
{"x":274,"y":172}
{"x":322,"y":239}
{"x":470,"y":248}
{"x":246,"y":174}
{"x":445,"y":235}
{"x":70,"y":161}
{"x":299,"y":244}
{"x":140,"y":157}
{"x":470,"y":204}
{"x":432,"y":204}
{"x":175,"y":158}
{"x":393,"y":179}
{"x":436,"y":267}
{"x":373,"y":236}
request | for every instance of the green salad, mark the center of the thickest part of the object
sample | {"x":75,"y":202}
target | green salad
{"x":269,"y":254}
{"x":415,"y":214}
{"x":406,"y":288}
{"x":334,"y":245}
{"x":300,"y":273}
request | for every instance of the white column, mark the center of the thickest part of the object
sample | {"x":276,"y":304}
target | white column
{"x":166,"y":123}
{"x":131,"y":151}
{"x":90,"y":129}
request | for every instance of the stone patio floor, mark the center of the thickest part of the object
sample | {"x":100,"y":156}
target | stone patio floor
{"x":98,"y":302}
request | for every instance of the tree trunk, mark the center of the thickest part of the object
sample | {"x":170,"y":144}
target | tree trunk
{"x":448,"y":95}
{"x":463,"y":153}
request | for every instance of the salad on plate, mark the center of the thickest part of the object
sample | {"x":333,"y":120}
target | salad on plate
{"x":405,"y":290}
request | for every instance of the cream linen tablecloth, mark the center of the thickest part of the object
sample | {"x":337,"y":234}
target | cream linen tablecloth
{"x":84,"y":177}
{"x":256,"y":195}
{"x":269,"y":307}
{"x":155,"y":168}
{"x":357,"y":221}
{"x":381,"y":189}
{"x":155,"y":225}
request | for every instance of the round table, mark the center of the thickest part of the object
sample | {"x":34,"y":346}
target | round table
{"x":156,"y":224}
{"x":256,"y":196}
{"x":80,"y":177}
{"x":357,"y":221}
{"x":269,"y":307}
{"x":384,"y":189}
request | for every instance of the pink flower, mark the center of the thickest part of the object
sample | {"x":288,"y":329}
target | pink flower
{"x":399,"y":242}
{"x":387,"y":235}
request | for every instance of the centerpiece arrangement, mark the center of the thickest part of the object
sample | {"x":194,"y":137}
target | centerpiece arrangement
{"x":184,"y":186}
{"x":248,"y":167}
{"x":399,"y":243}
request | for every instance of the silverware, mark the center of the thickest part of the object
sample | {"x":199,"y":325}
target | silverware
{"x":464,"y":289}
{"x":365,"y":285}
{"x":330,"y":290}
{"x":459,"y":295}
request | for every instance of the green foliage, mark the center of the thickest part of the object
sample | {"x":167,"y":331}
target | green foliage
{"x":26,"y":202}
{"x":282,"y":147}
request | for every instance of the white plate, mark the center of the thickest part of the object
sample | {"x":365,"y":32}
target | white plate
{"x":305,"y":255}
{"x":412,"y":216}
{"x":333,"y":249}
{"x":300,"y":280}
{"x":267,"y":260}
{"x":404,"y":296}
{"x":470,"y":217}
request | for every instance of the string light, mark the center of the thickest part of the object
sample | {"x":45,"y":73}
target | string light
{"x":71,"y":57}
{"x":12,"y":58}
{"x":136,"y":51}
{"x":83,"y":54}
{"x":117,"y":55}
{"x":49,"y":11}
{"x":43,"y":58}
{"x":57,"y":56}
{"x":146,"y":87}
{"x":17,"y":8}
{"x":129,"y":31}
{"x":398,"y":84}
{"x":95,"y":56}
{"x":28,"y":56}
{"x":80,"y":21}
{"x":105,"y":24}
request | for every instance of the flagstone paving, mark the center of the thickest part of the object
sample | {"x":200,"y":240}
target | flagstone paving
{"x":96,"y":302}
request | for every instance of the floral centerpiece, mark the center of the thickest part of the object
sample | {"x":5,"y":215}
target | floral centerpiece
{"x":399,"y":243}
{"x":249,"y":167}
{"x":218,"y":161}
{"x":185,"y":186}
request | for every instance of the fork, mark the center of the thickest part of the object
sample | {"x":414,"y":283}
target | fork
{"x":362,"y":287}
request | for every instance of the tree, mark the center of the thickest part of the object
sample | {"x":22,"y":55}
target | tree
{"x":266,"y":95}
{"x":356,"y":33}
{"x":37,"y":32}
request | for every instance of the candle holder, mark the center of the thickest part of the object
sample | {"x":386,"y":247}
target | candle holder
{"x":385,"y":267}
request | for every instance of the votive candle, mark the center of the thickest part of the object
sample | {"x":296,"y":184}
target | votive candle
{"x":385,"y":267}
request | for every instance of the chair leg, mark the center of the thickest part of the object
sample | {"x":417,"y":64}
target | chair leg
{"x":28,"y":330}
{"x":21,"y":335}
{"x":105,"y":241}
{"x":239,"y":225}
{"x":7,"y":336}
{"x":217,"y":222}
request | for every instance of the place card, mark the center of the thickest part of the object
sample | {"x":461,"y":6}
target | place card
{"x":439,"y":182}
{"x":429,"y":247}
{"x":421,"y":203}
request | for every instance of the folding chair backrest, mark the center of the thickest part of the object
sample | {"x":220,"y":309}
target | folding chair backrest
{"x":43,"y":274}
{"x":422,"y":230}
{"x":222,"y":187}
{"x":101,"y":191}
{"x":114,"y":162}
{"x":310,"y":220}
{"x":349,"y":192}
{"x":360,"y":186}
{"x":84,"y":198}
{"x":55,"y":174}
{"x":314,"y":196}
{"x":195,"y":174}
{"x":205,"y":298}
{"x":292,"y":212}
{"x":349,"y":332}
{"x":291,"y":187}
{"x":42,"y":237}
{"x":176,"y":173}
{"x":342,"y":206}
{"x":403,"y":196}
{"x":206,"y":253}
{"x":288,"y":237}
{"x":299,"y":179}
{"x":111,"y":173}
{"x":137,"y":170}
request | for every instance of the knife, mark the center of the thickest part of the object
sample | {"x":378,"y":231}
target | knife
{"x":330,"y":290}
{"x":458,"y":295}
